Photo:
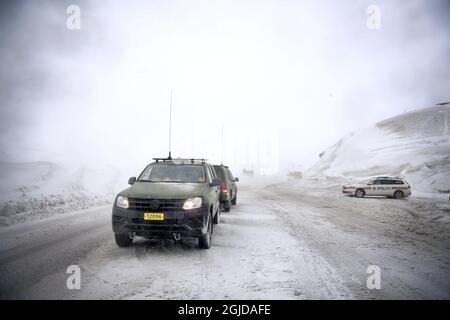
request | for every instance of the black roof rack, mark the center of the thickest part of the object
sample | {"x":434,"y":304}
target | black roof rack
{"x":162,"y":159}
{"x":169,"y":158}
{"x":191,"y":160}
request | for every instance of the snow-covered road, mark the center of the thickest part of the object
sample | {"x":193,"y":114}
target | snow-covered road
{"x":275,"y":244}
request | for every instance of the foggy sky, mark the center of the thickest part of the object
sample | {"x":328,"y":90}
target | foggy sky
{"x":285,"y":79}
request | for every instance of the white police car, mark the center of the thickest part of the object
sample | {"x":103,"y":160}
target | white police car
{"x":392,"y":187}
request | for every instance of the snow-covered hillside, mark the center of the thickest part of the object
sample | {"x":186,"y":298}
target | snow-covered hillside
{"x":414,"y":145}
{"x":39,"y":189}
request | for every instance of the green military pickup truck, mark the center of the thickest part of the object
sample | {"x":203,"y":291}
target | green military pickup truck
{"x":171,"y":198}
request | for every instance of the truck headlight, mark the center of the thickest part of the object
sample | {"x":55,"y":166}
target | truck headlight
{"x":122,"y":202}
{"x":192,"y":203}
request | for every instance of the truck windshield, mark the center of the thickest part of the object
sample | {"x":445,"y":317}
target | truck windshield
{"x":220,"y":172}
{"x":173,"y":173}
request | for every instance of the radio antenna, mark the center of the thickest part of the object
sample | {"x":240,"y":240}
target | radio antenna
{"x":221,"y":148}
{"x":170,"y":128}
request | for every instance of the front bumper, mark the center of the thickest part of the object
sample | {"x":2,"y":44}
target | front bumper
{"x":348,"y":191}
{"x":186,"y":223}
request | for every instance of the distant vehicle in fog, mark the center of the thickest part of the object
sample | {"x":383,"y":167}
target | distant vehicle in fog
{"x":228,"y":190}
{"x":391,"y":187}
{"x":248,"y":173}
{"x":295,"y":174}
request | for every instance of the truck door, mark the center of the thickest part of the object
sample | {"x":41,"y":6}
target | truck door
{"x":232,"y":182}
{"x":215,"y":191}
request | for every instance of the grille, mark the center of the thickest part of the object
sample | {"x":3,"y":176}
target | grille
{"x":155,"y":204}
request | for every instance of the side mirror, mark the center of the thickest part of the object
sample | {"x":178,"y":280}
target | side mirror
{"x":236,"y":179}
{"x":216,"y":183}
{"x":132,"y":180}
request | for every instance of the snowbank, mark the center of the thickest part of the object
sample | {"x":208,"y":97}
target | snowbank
{"x":36,"y":190}
{"x":414,"y":145}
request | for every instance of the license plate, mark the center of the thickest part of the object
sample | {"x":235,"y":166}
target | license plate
{"x":153,"y":216}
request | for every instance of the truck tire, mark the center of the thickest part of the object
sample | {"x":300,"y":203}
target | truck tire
{"x":123,"y":240}
{"x":233,"y":202}
{"x":204,"y":241}
{"x":216,"y":219}
{"x":227,"y":206}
